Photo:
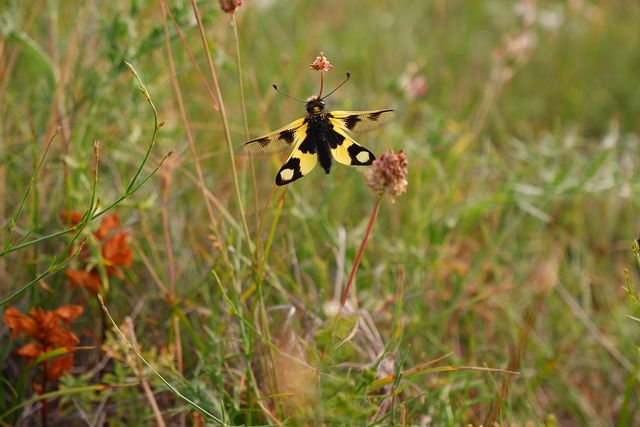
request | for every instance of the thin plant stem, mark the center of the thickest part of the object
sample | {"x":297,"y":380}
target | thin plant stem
{"x":225,"y":122}
{"x":167,"y":239}
{"x":96,"y":155}
{"x":240,"y":82}
{"x":260,"y":258}
{"x":243,"y":106}
{"x":172,"y":276}
{"x":193,"y":60}
{"x":171,"y":297}
{"x":60,"y":260}
{"x":92,"y":213}
{"x":133,"y":341}
{"x":52,"y":394}
{"x":356,"y":262}
{"x":352,"y":276}
{"x":35,"y":212}
{"x":44,"y":409}
{"x":321,"y":84}
{"x":34,"y":178}
{"x":516,"y":356}
{"x":187,"y":128}
{"x":95,"y":214}
{"x":174,"y":390}
{"x":55,"y":265}
{"x":156,"y":127}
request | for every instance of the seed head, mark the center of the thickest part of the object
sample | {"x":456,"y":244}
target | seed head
{"x":229,"y":6}
{"x":388,"y":174}
{"x":321,"y":63}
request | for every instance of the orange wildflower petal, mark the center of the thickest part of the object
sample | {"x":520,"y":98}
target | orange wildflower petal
{"x":85,"y":279}
{"x":47,"y":321}
{"x":69,"y":312}
{"x":30,"y":351}
{"x":107,"y":224}
{"x":116,"y":251}
{"x":19,"y":322}
{"x":61,"y":338}
{"x":59,"y":367}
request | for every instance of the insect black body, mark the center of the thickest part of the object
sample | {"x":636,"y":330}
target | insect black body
{"x":320,"y":135}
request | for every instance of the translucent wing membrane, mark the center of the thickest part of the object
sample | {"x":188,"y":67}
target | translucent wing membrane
{"x":276,"y":141}
{"x":362,"y":121}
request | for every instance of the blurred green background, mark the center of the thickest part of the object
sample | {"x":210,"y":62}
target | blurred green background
{"x":520,"y":126}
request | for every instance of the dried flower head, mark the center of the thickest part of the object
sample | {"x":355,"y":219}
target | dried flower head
{"x":388,"y":174}
{"x":46,"y":332}
{"x":321,"y":63}
{"x":230,"y":6}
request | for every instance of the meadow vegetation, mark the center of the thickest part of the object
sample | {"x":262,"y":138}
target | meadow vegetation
{"x":151,"y":276}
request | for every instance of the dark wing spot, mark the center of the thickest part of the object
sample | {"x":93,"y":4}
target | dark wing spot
{"x":289,"y":172}
{"x":287,"y":135}
{"x":360,"y":156}
{"x":376,"y":115}
{"x":351,"y":121}
{"x":262,"y":141}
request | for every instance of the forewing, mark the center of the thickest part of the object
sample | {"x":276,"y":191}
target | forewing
{"x":362,"y":121}
{"x":347,"y":151}
{"x":276,"y":141}
{"x":302,"y":160}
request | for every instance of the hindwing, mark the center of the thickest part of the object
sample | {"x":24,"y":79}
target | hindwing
{"x":347,"y":151}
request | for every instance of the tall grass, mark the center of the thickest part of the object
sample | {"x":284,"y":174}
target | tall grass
{"x":489,"y":293}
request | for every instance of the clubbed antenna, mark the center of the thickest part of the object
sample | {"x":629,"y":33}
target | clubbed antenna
{"x":339,"y":86}
{"x":275,"y":86}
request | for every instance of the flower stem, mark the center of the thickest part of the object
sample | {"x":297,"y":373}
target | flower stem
{"x":356,"y":263}
{"x":352,"y":276}
{"x":44,"y":409}
{"x":321,"y":84}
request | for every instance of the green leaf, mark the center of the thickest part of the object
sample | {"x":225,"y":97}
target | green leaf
{"x":37,"y":60}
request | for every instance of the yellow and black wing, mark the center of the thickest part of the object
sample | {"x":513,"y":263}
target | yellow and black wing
{"x":362,"y":121}
{"x":276,"y":141}
{"x":344,"y":148}
{"x":347,"y":151}
{"x":299,"y":163}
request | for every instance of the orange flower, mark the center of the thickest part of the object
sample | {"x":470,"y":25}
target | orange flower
{"x":69,"y":312}
{"x":85,"y":279}
{"x":46,"y":332}
{"x":108,"y":223}
{"x":115,"y":252}
{"x":18,"y":322}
